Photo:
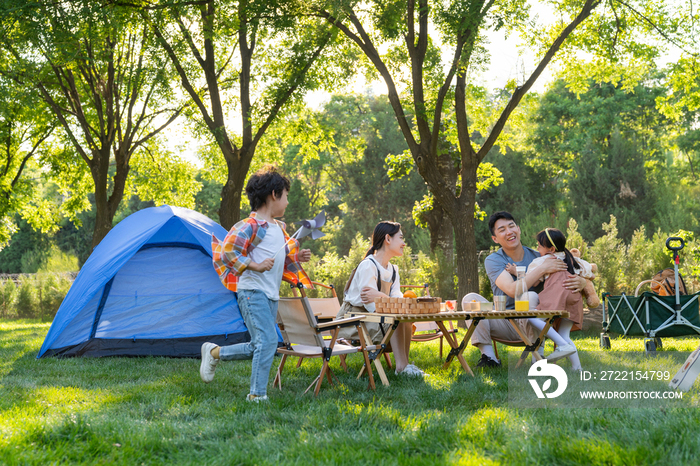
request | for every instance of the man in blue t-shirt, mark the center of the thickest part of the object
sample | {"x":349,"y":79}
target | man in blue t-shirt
{"x":506,"y":233}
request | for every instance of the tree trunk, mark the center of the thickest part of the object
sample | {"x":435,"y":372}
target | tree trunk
{"x":440,"y":228}
{"x":442,"y":248}
{"x":103,"y":223}
{"x":106,"y":204}
{"x":238,"y":162}
{"x":466,"y":259}
{"x":99,"y":169}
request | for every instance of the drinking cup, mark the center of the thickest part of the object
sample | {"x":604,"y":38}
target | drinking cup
{"x":499,"y":303}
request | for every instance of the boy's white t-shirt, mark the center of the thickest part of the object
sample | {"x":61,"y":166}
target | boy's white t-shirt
{"x":585,"y":271}
{"x":366,"y":275}
{"x":268,"y":282}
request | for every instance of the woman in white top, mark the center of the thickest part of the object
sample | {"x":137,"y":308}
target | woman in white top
{"x":375,"y":277}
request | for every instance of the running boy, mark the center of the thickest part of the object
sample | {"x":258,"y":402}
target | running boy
{"x":252,"y":260}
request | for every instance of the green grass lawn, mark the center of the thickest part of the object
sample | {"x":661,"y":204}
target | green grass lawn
{"x":157,"y":411}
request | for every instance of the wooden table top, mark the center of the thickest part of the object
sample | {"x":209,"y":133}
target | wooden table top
{"x":464,"y":315}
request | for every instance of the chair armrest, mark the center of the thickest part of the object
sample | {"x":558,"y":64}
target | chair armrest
{"x":340,"y":322}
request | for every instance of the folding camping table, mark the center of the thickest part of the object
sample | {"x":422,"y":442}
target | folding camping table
{"x":457,"y":347}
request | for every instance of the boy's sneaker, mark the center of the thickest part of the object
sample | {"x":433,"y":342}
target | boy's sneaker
{"x":561,"y":352}
{"x":209,"y":362}
{"x":486,"y":361}
{"x":256,"y":398}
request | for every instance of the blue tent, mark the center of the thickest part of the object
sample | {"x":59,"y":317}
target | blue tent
{"x":149,"y":288}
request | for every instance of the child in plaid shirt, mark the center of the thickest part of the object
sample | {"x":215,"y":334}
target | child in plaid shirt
{"x":253,"y":259}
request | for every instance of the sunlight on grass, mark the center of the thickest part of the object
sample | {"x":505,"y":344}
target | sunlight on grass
{"x":492,"y":425}
{"x":20,"y":339}
{"x":157,"y":411}
{"x":468,"y":457}
{"x":44,"y":406}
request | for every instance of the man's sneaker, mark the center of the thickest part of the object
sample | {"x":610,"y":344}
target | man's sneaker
{"x":486,"y":361}
{"x":561,"y":352}
{"x":209,"y":362}
{"x":412,"y":371}
{"x":256,"y":398}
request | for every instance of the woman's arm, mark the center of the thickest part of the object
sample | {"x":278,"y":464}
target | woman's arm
{"x":369,"y":293}
{"x":365,"y":282}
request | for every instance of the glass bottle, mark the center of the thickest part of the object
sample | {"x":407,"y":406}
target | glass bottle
{"x":522,"y":300}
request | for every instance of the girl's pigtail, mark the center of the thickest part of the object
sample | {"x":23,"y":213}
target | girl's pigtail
{"x":570,"y":261}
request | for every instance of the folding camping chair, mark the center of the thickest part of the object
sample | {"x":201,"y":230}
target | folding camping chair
{"x":302,"y":334}
{"x":428,"y":331}
{"x":326,"y":309}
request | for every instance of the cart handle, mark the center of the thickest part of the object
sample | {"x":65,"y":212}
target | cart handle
{"x":676,"y":239}
{"x":636,"y":292}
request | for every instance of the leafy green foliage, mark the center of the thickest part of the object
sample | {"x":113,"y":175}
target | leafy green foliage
{"x":38,"y":296}
{"x":96,"y":70}
{"x":24,"y":128}
{"x":163,"y":177}
{"x":71,"y":178}
{"x":26,"y":243}
{"x":8,"y":297}
{"x":622,"y":267}
{"x":600,"y":148}
{"x":337,"y":158}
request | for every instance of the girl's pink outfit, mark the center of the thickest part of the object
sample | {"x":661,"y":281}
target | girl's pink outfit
{"x":555,"y":297}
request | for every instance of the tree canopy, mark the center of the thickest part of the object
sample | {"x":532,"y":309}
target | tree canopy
{"x":88,"y":89}
{"x":95,"y":68}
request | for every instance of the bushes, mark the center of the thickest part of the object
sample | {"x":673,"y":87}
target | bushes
{"x":27,"y":303}
{"x":36,"y":296}
{"x":623,"y":266}
{"x":8,"y":296}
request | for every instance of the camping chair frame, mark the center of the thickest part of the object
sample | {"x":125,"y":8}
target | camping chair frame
{"x":322,"y":316}
{"x":303,"y":338}
{"x":325,"y":313}
{"x":515,"y":343}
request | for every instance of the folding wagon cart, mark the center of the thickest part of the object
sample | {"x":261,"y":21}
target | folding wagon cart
{"x":651,"y":315}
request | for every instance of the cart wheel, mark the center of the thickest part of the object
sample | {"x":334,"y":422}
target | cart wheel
{"x":649,"y":345}
{"x":657,"y":342}
{"x":604,"y":341}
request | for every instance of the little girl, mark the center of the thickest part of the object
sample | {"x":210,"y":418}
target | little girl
{"x":552,"y":242}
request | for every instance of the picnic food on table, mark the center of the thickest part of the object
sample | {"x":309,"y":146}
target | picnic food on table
{"x":410,"y":294}
{"x":386,"y":305}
